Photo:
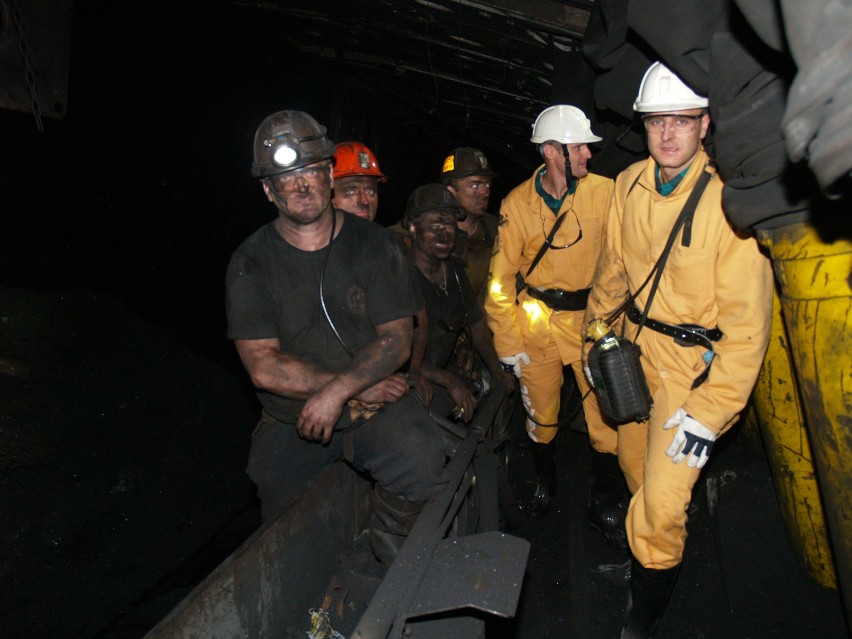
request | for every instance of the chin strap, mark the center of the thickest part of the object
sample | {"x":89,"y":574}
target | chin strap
{"x":568,"y":175}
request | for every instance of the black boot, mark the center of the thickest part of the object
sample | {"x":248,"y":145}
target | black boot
{"x":615,"y":575}
{"x":608,"y":499}
{"x":392,"y":520}
{"x":544,"y":458}
{"x":649,"y":593}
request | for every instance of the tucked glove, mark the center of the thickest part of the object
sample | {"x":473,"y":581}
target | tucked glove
{"x":513,"y":363}
{"x":692,"y":440}
{"x":587,"y":348}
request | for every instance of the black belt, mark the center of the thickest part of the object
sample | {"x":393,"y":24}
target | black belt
{"x":559,"y":299}
{"x":686,"y":335}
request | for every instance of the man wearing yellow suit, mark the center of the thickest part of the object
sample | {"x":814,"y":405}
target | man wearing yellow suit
{"x":538,"y":328}
{"x":703,"y":338}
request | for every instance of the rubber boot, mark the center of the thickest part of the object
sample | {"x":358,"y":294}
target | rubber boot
{"x":391,"y":522}
{"x":615,"y":575}
{"x":649,"y":594}
{"x":544,"y":459}
{"x":608,"y":499}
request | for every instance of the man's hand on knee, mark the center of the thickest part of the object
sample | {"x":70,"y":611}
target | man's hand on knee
{"x":319,"y":415}
{"x":462,"y":397}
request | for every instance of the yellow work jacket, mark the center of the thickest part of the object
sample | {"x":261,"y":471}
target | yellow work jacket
{"x":525,"y":221}
{"x":722,"y":279}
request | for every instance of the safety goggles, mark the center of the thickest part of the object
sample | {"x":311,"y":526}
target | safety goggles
{"x":564,"y":246}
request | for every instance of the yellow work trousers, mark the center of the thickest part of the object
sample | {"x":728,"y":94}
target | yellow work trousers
{"x":662,"y":490}
{"x":541,"y":384}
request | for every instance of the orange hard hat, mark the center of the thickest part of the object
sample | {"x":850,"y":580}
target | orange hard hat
{"x":354,"y":158}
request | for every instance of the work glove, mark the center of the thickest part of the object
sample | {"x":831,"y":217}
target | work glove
{"x":586,"y":349}
{"x":513,"y":363}
{"x":692,"y":439}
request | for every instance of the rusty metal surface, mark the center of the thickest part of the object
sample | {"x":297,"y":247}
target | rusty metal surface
{"x":448,"y":628}
{"x":481,"y":571}
{"x":403,"y":587}
{"x":279,"y":573}
{"x":267,"y":586}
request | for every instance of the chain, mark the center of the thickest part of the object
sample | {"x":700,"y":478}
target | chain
{"x":25,"y":57}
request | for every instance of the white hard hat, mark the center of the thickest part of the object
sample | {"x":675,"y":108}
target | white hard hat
{"x":662,"y":90}
{"x":564,"y":124}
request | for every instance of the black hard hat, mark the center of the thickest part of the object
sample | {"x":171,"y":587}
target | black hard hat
{"x":430,"y":197}
{"x":463,"y":162}
{"x":289,"y":140}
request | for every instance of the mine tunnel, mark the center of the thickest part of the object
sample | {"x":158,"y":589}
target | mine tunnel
{"x":126,"y":416}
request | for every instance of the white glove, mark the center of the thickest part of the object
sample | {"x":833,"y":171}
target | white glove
{"x":584,"y":358}
{"x":692,"y":439}
{"x":513,"y":363}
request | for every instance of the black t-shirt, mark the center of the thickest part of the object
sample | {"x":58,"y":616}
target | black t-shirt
{"x":273,"y":292}
{"x":449,"y":312}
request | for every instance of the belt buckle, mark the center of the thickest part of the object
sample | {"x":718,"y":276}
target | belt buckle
{"x":687,"y":337}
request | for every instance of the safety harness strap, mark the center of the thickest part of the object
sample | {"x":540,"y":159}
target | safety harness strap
{"x":548,"y":242}
{"x":686,"y":335}
{"x":686,"y":213}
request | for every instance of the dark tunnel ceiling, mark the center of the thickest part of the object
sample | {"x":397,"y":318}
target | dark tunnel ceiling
{"x":485,"y":65}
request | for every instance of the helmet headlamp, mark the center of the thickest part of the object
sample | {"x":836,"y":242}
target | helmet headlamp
{"x":289,"y":140}
{"x":284,"y":156}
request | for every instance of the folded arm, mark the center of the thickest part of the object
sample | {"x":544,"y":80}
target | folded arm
{"x":369,"y":376}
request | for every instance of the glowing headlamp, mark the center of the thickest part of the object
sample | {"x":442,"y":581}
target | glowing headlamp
{"x":284,"y":156}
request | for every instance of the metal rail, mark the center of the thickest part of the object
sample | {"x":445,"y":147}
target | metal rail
{"x":396,"y":599}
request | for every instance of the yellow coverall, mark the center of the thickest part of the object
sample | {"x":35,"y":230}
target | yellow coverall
{"x":721,"y":280}
{"x":551,"y":338}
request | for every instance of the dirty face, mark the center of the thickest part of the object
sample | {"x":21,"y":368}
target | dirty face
{"x":358,"y":195}
{"x":434,"y":234}
{"x":473,"y":193}
{"x":301,"y":196}
{"x":674,"y":138}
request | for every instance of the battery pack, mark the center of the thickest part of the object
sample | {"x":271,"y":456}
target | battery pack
{"x":620,"y":383}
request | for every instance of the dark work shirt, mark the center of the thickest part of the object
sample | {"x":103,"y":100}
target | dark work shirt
{"x":449,"y":312}
{"x":273,"y":292}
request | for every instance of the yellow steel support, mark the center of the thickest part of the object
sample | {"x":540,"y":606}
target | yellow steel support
{"x":816,"y":297}
{"x":779,"y":416}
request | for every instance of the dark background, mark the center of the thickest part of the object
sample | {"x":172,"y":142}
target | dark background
{"x":125,"y":417}
{"x":143,"y":190}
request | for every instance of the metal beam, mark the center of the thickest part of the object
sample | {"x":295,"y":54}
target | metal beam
{"x":371,"y":61}
{"x":549,"y":15}
{"x":398,"y":592}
